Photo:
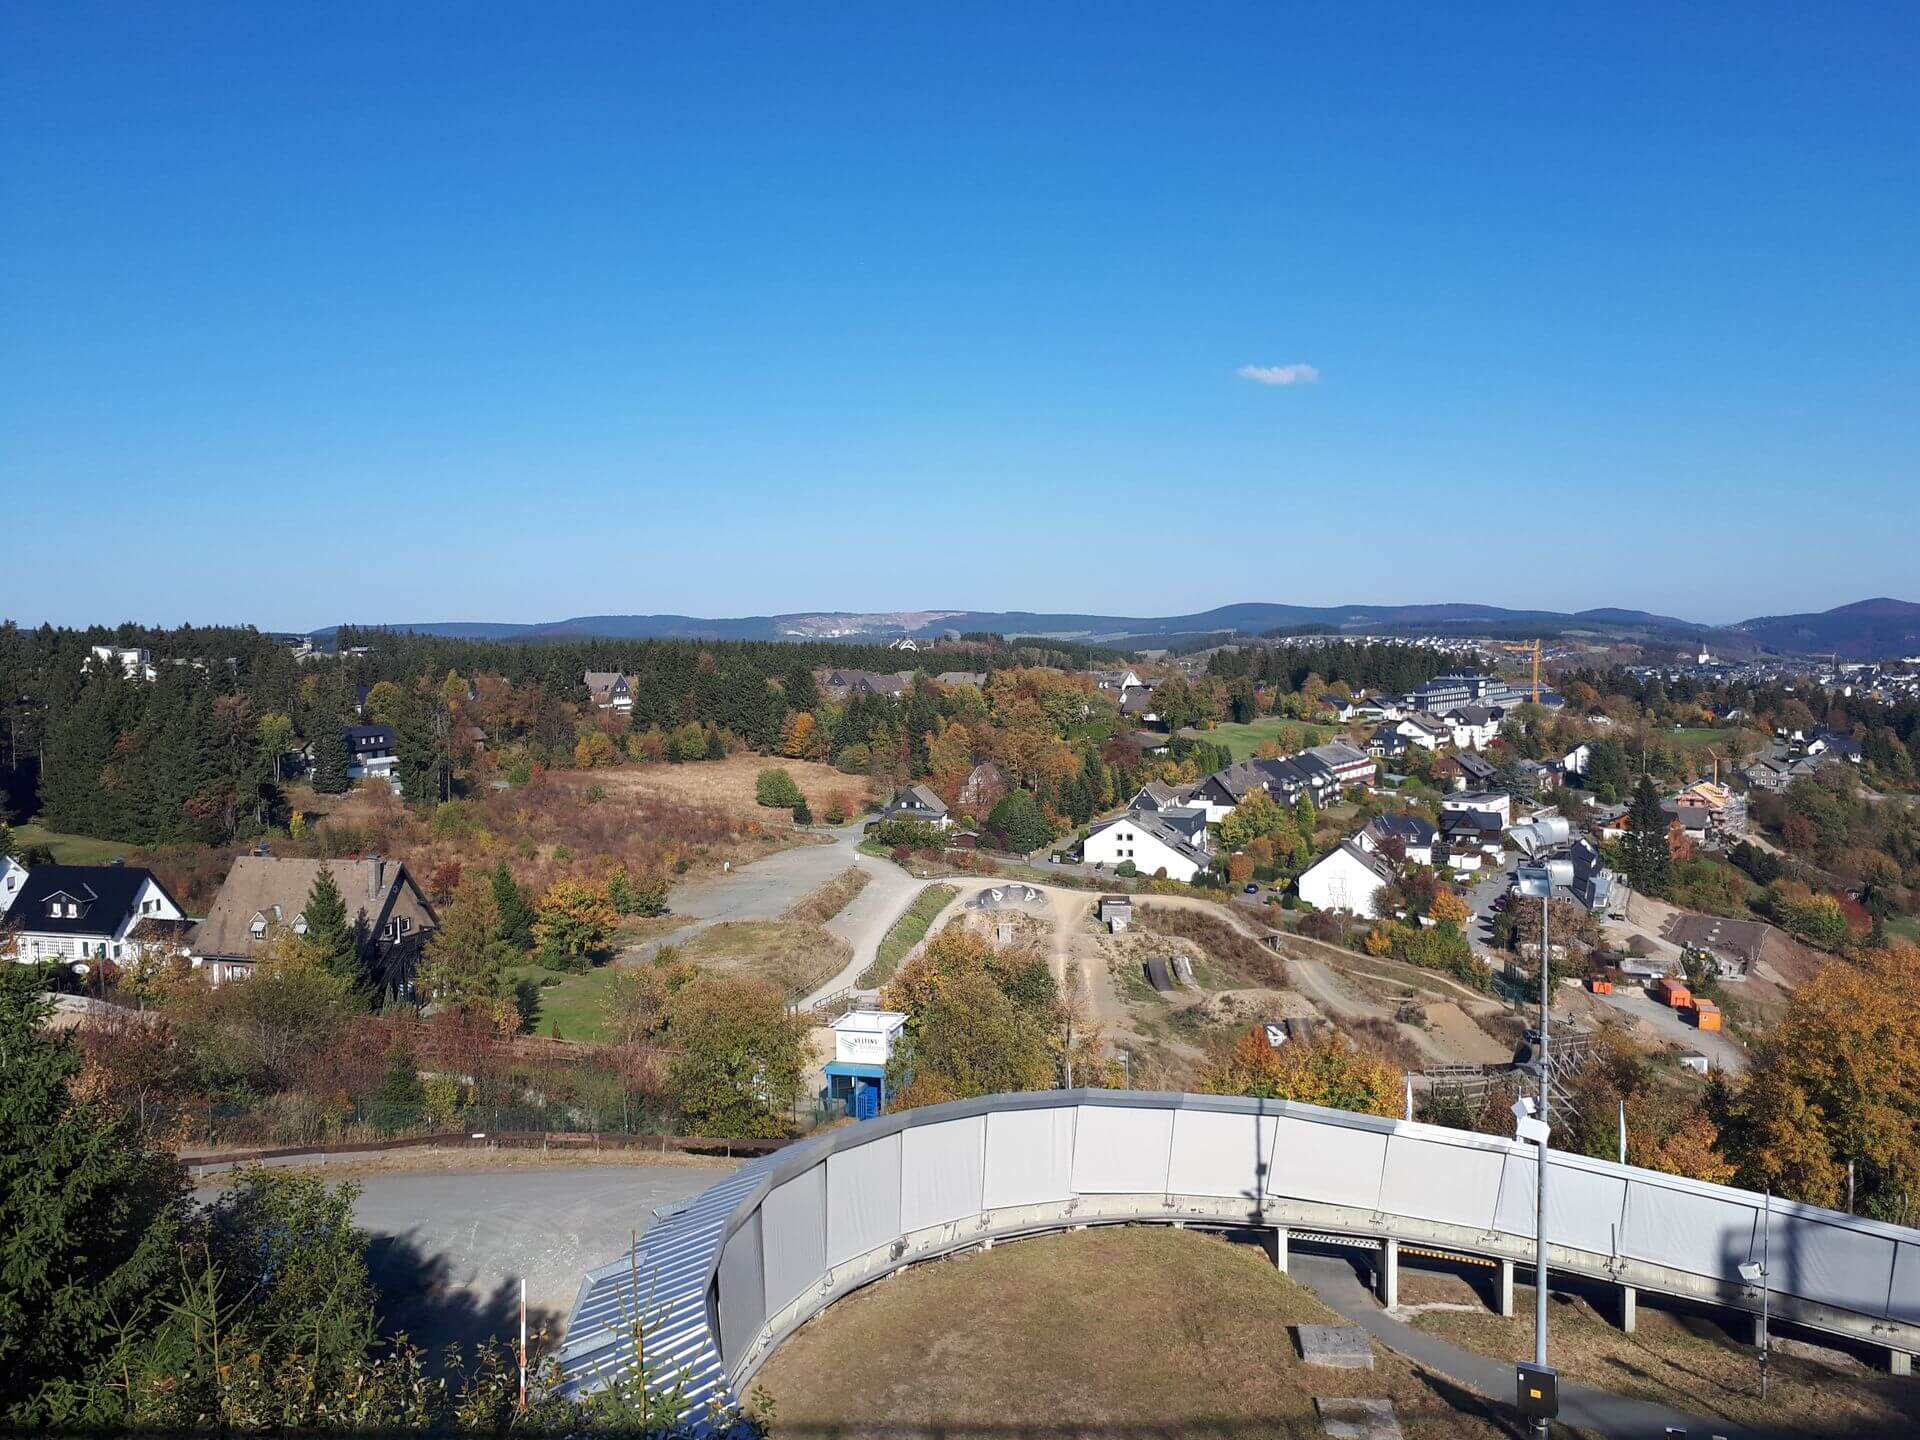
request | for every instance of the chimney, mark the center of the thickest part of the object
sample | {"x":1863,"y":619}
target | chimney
{"x":376,"y":876}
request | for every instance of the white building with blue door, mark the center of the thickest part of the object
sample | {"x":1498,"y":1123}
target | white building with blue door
{"x":863,"y":1042}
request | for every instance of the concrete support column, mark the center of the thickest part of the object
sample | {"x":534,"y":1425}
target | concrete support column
{"x":1899,"y":1362}
{"x":1179,"y":1224}
{"x":1629,"y":1308}
{"x":1390,"y":1272}
{"x":1276,"y":1240}
{"x":987,"y":1244}
{"x":1503,"y":1290}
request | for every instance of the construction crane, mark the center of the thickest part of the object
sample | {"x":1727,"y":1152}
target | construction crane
{"x":1532,"y":647}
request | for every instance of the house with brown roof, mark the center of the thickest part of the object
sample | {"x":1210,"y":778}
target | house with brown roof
{"x":264,"y":894}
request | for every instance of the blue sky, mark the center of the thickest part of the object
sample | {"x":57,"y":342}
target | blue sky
{"x":514,"y":312}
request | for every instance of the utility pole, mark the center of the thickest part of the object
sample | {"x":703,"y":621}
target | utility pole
{"x":1538,"y":881}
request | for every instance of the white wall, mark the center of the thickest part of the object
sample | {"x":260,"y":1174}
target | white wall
{"x":1340,"y":882}
{"x":1125,"y":841}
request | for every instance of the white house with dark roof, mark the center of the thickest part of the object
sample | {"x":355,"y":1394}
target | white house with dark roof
{"x":1173,"y":841}
{"x":1411,"y":834}
{"x":1346,"y":878}
{"x":917,"y":802}
{"x":1472,"y":727}
{"x":92,"y":912}
{"x":610,"y":690}
{"x":12,"y":876}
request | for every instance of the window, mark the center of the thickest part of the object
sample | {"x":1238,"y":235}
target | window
{"x":300,"y":924}
{"x":259,"y":926}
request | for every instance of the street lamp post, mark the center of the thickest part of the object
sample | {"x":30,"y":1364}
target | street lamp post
{"x":1537,"y":881}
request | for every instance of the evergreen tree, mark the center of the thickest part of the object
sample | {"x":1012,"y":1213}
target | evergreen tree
{"x":329,"y":754}
{"x":516,"y":916}
{"x":1649,"y":860}
{"x":329,"y":934}
{"x":87,"y":1217}
{"x":422,"y":728}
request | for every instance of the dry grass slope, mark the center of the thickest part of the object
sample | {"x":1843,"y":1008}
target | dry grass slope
{"x":796,"y":957}
{"x":821,"y":905}
{"x":1117,"y":1331}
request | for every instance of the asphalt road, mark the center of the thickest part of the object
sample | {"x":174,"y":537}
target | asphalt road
{"x":449,"y":1248}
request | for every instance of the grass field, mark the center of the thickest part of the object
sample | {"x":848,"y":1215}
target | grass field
{"x":795,"y":956}
{"x":1242,"y":740}
{"x":570,"y":1009}
{"x":908,"y":931}
{"x":68,"y":849}
{"x":1686,"y":1360}
{"x":1699,"y":739}
{"x":1121,"y":1331}
{"x":728,"y":785}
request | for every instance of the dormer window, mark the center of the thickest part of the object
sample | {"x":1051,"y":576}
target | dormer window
{"x":300,"y":924}
{"x":259,"y":926}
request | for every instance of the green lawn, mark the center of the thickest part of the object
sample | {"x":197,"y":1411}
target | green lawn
{"x":68,"y":849}
{"x":1699,"y":739}
{"x":908,"y":931}
{"x":573,"y":1006}
{"x":1242,"y":740}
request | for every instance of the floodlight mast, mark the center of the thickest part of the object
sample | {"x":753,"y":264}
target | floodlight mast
{"x":1537,"y":881}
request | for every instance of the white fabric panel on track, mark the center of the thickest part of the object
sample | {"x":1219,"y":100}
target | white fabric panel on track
{"x":793,"y":1235}
{"x":1327,"y":1163}
{"x":1029,"y":1157}
{"x":1702,"y":1233}
{"x":942,"y":1172}
{"x":743,"y":1288}
{"x":1220,"y":1154}
{"x":1905,"y":1301}
{"x":1583,"y":1206}
{"x":1121,"y":1152}
{"x":1824,"y":1262}
{"x":863,"y":1198}
{"x":1438,"y":1180}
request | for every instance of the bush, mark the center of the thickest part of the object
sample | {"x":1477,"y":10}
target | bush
{"x":909,"y":835}
{"x":775,"y":790}
{"x":1126,"y":869}
{"x":802,"y":815}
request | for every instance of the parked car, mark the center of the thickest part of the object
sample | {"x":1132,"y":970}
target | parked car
{"x":1252,"y":889}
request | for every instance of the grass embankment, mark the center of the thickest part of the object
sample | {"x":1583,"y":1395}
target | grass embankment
{"x":908,"y":931}
{"x":1112,"y":1331}
{"x":1242,"y":740}
{"x":821,"y":905}
{"x":68,"y":849}
{"x":797,"y":957}
{"x":1689,"y":1361}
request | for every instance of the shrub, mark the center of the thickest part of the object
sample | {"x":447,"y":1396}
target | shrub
{"x":775,"y":789}
{"x":1017,"y":824}
{"x":1126,"y":869}
{"x":802,"y":815}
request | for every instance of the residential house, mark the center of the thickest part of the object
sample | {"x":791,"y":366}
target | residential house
{"x":1117,"y":682}
{"x":1480,"y":802}
{"x":1346,"y":878}
{"x":1834,"y":743}
{"x":371,"y":754}
{"x":986,"y":785}
{"x":1147,"y":742}
{"x":1471,"y":727}
{"x":1154,"y":841}
{"x":1771,"y":775}
{"x":1470,"y":839}
{"x":92,"y":912}
{"x":1540,"y":776}
{"x":1285,"y":780}
{"x":1136,"y":704}
{"x":610,"y":690}
{"x":1158,"y":795}
{"x":917,"y":802}
{"x":135,"y":663}
{"x":12,"y":876}
{"x":1471,"y":771}
{"x":1386,"y":743}
{"x":263,"y":894}
{"x":1419,"y":728}
{"x":839,"y":684}
{"x":950,"y":678}
{"x":1410,"y":835}
{"x":1576,"y":760}
{"x":1350,"y":766}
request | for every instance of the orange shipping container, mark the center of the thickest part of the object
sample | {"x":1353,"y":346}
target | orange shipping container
{"x":1672,"y":992}
{"x":1706,"y":1015}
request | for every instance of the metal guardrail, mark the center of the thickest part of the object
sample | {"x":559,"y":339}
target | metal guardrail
{"x":717,"y":1287}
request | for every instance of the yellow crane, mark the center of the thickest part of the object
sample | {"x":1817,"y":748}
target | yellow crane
{"x":1532,"y":647}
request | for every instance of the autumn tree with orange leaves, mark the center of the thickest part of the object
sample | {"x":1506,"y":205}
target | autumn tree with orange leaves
{"x":1838,"y":1080}
{"x":1321,"y":1071}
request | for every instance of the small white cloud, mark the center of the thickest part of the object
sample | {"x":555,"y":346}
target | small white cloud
{"x":1278,"y":374}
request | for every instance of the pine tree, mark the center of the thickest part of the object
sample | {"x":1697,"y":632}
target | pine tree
{"x":1649,"y":859}
{"x":328,"y":932}
{"x":87,"y":1216}
{"x":516,"y":916}
{"x":329,"y":754}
